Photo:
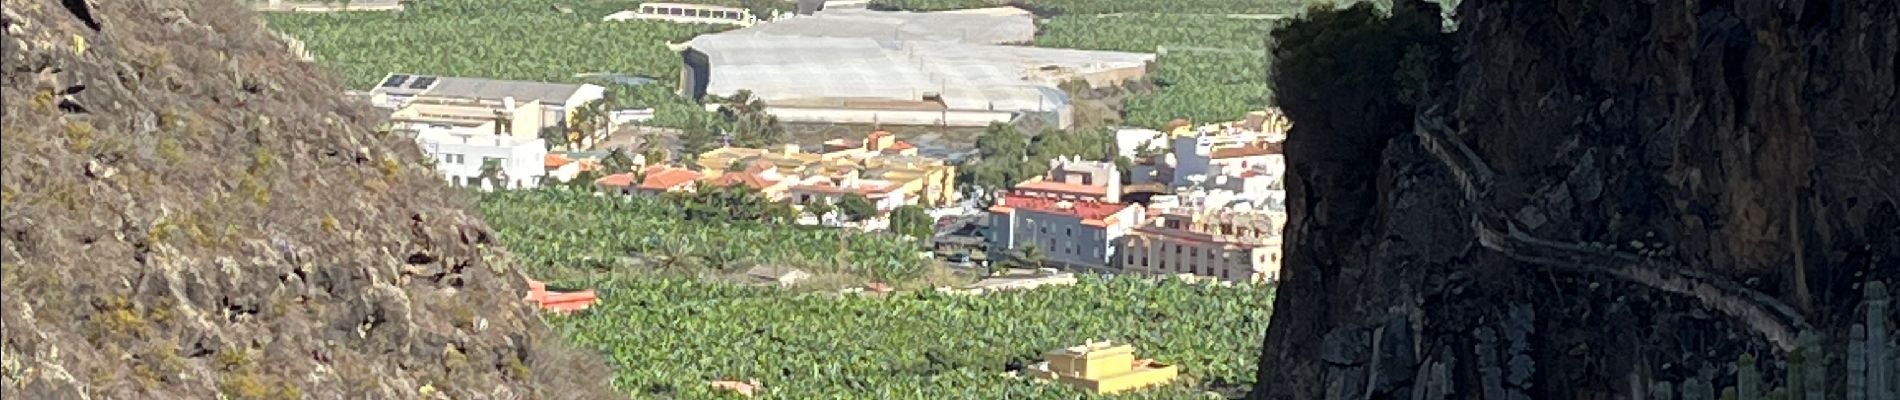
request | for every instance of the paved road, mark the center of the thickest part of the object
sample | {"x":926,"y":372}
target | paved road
{"x":1777,"y":322}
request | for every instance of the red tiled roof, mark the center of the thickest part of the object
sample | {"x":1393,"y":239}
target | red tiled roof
{"x":664,"y":178}
{"x":1091,"y":212}
{"x":901,"y":145}
{"x":1064,"y":187}
{"x":615,"y":180}
{"x":555,"y":160}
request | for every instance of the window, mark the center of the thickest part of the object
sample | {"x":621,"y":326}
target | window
{"x":1177,"y":249}
{"x":474,"y":181}
{"x":452,"y":158}
{"x":1070,"y":232}
{"x":1194,"y":252}
{"x":1088,"y":179}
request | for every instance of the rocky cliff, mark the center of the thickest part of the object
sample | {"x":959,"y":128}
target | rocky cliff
{"x":190,"y":212}
{"x":1596,"y":195}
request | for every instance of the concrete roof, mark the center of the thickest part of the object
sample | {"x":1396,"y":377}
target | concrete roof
{"x":480,"y":88}
{"x":969,"y":76}
{"x":522,"y":91}
{"x":990,"y":28}
{"x":865,"y":54}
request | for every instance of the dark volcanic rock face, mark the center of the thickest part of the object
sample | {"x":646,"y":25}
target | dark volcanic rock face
{"x":190,"y":212}
{"x":1755,"y":142}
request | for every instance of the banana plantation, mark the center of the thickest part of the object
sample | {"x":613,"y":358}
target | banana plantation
{"x":577,"y":237}
{"x":1208,"y":68}
{"x":498,"y":39}
{"x":668,"y":338}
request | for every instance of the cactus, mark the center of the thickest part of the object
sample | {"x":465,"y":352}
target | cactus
{"x":1881,"y":372}
{"x":1793,"y":386}
{"x":1696,"y":388}
{"x":1857,"y":363}
{"x":1663,"y":391}
{"x":1816,"y":371}
{"x":1728,"y":393}
{"x":1747,"y":379}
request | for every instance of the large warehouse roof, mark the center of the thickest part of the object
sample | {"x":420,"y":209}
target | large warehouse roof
{"x":789,"y":63}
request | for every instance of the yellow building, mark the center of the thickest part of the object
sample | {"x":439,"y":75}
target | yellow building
{"x":922,"y":180}
{"x":1102,"y":368}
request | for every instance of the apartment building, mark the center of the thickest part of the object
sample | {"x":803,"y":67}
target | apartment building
{"x":1221,"y":243}
{"x":1072,"y":215}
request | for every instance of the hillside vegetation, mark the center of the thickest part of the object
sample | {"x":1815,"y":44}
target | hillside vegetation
{"x":191,"y":213}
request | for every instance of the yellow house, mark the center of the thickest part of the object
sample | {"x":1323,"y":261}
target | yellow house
{"x":1102,"y":368}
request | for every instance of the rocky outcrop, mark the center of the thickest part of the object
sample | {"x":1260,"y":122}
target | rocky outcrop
{"x":1666,"y":186}
{"x":191,"y":212}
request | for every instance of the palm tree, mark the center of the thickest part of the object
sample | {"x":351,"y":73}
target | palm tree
{"x":616,"y":162}
{"x":491,"y":172}
{"x":1031,"y":254}
{"x":818,"y":209}
{"x":554,"y":137}
{"x":577,"y":125}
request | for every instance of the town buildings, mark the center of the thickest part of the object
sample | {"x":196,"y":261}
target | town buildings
{"x":1071,"y":216}
{"x":652,"y":180}
{"x":1102,"y":368}
{"x":462,"y":158}
{"x":879,"y":167}
{"x":1232,"y":245}
{"x":469,"y":105}
{"x":1226,"y":216}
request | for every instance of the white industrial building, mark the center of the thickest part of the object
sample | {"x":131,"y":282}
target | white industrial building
{"x":862,"y":66}
{"x":459,"y":157}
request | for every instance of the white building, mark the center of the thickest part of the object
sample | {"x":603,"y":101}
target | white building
{"x":459,"y":157}
{"x":1222,"y":150}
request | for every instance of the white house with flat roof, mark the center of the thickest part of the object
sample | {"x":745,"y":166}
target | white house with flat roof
{"x":459,"y":157}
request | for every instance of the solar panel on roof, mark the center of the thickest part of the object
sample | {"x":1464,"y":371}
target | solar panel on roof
{"x":422,"y":82}
{"x":394,"y":81}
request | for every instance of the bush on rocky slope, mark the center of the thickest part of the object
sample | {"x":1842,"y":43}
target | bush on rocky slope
{"x":188,"y":212}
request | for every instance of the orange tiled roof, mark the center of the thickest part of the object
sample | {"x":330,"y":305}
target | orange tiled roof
{"x":615,"y":180}
{"x":1091,"y":212}
{"x":661,"y":177}
{"x":555,"y":160}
